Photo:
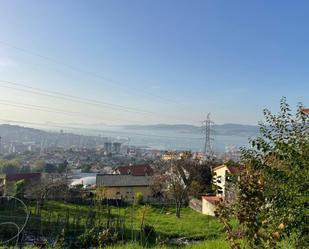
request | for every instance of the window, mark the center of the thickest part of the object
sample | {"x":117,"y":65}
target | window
{"x":219,"y":179}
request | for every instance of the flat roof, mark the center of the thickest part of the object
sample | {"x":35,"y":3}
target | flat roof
{"x":114,"y":180}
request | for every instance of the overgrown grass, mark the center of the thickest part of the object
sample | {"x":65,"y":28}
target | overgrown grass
{"x":191,"y":225}
{"x":211,"y":244}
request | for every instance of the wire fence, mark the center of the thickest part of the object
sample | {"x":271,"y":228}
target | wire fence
{"x":49,"y":221}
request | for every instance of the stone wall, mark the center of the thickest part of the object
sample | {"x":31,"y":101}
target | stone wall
{"x":196,"y":205}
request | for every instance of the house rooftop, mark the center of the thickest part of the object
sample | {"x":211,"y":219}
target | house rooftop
{"x":231,"y":169}
{"x":306,"y":110}
{"x":135,"y":170}
{"x":23,"y":176}
{"x":213,"y":199}
{"x":112,"y":180}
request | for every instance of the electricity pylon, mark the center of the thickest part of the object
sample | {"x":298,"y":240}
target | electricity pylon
{"x":207,"y":131}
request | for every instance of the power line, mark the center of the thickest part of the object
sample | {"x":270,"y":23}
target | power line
{"x":106,"y":79}
{"x":73,"y":98}
{"x":54,"y":110}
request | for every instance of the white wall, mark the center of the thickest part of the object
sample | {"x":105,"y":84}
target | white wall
{"x":208,"y":208}
{"x":221,"y":173}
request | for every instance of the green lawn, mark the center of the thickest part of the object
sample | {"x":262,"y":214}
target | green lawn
{"x":191,"y":224}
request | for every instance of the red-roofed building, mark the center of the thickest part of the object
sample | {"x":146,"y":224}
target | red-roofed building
{"x":230,"y":169}
{"x":209,"y":204}
{"x":220,"y":176}
{"x":306,"y":110}
{"x":23,"y":176}
{"x":135,"y":170}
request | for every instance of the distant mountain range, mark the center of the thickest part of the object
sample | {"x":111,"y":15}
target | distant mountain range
{"x":155,"y":136}
{"x":81,"y":129}
{"x":20,"y":134}
{"x":224,"y":129}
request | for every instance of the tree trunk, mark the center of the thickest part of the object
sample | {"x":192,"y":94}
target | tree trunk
{"x":178,"y":206}
{"x":37,"y":207}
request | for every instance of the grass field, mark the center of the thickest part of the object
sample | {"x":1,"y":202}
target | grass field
{"x":211,"y":244}
{"x":205,"y":230}
{"x":191,"y":224}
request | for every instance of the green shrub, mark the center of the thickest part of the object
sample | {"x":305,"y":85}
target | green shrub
{"x":139,"y":198}
{"x":107,"y":237}
{"x":149,"y":233}
{"x":87,"y":239}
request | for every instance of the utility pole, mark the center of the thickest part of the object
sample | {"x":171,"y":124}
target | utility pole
{"x":0,"y":145}
{"x":207,"y":131}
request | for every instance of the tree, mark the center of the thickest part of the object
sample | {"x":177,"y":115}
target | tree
{"x":38,"y":166}
{"x":9,"y":166}
{"x":273,"y":188}
{"x":25,"y":169}
{"x":172,"y":180}
{"x":62,"y":167}
{"x":138,"y":198}
{"x":19,"y":189}
{"x":158,"y":188}
{"x":200,"y":177}
{"x":46,"y":188}
{"x":50,"y":168}
{"x":180,"y":178}
{"x":177,"y":190}
{"x":100,"y":194}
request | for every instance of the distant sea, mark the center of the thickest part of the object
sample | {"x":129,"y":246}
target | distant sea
{"x":169,"y":140}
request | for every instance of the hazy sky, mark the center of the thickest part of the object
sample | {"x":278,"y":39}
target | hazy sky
{"x":174,"y":61}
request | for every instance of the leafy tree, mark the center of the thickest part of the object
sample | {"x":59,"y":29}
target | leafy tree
{"x":50,"y":168}
{"x":38,"y":166}
{"x":100,"y":194}
{"x":86,"y":168}
{"x":25,"y":169}
{"x":9,"y":166}
{"x":19,"y":188}
{"x":138,"y":198}
{"x":180,"y":178}
{"x":62,"y":167}
{"x":273,"y":188}
{"x":200,"y":177}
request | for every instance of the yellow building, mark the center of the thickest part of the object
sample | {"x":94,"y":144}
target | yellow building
{"x":220,"y":176}
{"x":124,"y":187}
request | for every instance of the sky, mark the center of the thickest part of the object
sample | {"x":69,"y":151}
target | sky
{"x":148,"y":62}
